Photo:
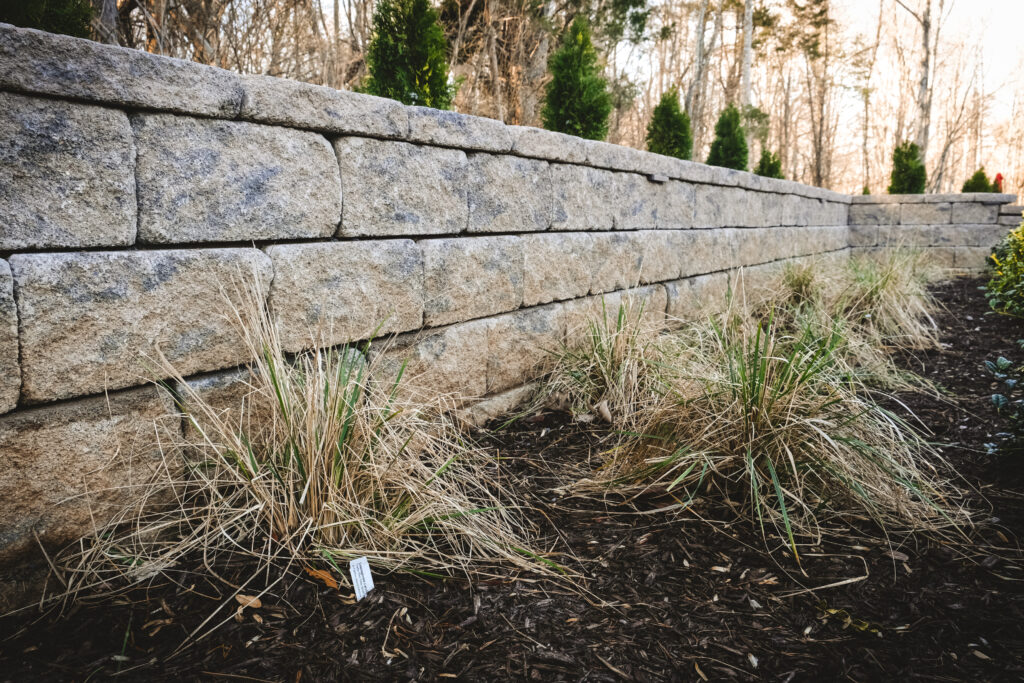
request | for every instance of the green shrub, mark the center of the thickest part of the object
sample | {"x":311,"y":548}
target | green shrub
{"x":669,"y":130}
{"x":978,"y":182}
{"x":1009,"y":403}
{"x":1005,"y":289}
{"x":70,"y":17}
{"x":908,"y":173}
{"x":406,"y":56}
{"x":729,"y":148}
{"x":576,"y":100}
{"x":769,"y":165}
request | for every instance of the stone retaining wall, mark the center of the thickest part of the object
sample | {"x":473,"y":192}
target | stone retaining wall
{"x":133,"y":188}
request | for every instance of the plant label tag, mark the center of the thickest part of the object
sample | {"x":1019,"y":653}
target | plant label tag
{"x":362,"y":580}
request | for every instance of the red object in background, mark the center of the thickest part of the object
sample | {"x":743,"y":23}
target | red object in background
{"x":998,"y":182}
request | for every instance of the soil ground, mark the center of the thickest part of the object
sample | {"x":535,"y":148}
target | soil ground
{"x":668,"y":597}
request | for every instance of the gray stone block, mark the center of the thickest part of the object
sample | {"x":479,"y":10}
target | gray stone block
{"x":203,"y":180}
{"x":285,"y":102}
{"x":326,"y":294}
{"x":69,"y":468}
{"x":971,"y":212}
{"x":450,"y":129}
{"x":396,"y":188}
{"x":88,"y":320}
{"x":584,"y":198}
{"x":675,"y":202}
{"x":36,"y":62}
{"x":636,"y":202}
{"x":449,"y":361}
{"x":509,"y":194}
{"x":926,"y":213}
{"x":10,"y":368}
{"x":471,"y":277}
{"x":863,"y":235}
{"x":520,"y":344}
{"x":556,"y":266}
{"x":546,"y":144}
{"x":971,"y":258}
{"x":696,"y":297}
{"x":616,"y":261}
{"x":874,"y":214}
{"x":705,"y":251}
{"x":66,"y":174}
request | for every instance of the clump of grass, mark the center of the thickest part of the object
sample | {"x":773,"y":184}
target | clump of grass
{"x":320,"y":462}
{"x":761,"y":416}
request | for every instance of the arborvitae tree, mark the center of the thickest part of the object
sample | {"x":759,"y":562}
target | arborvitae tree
{"x":769,"y":165}
{"x":406,"y":56}
{"x":908,"y":174}
{"x":70,"y":17}
{"x":577,"y":100}
{"x":668,"y":132}
{"x":978,"y":182}
{"x":729,"y":148}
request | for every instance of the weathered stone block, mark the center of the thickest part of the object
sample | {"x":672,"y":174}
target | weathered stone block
{"x":675,"y":204}
{"x":585,"y":198}
{"x":971,"y":258}
{"x":661,"y":254}
{"x":971,"y":212}
{"x":508,"y":194}
{"x":333,"y":293}
{"x":37,"y":62}
{"x":925,"y":214}
{"x":87,"y":319}
{"x":519,"y":345}
{"x":202,"y":180}
{"x":66,"y":470}
{"x":636,"y":202}
{"x":647,"y":302}
{"x":556,"y":266}
{"x":10,"y":368}
{"x":396,"y":188}
{"x":66,"y":174}
{"x":285,"y":102}
{"x":863,"y":235}
{"x":616,"y":261}
{"x":705,"y":251}
{"x":940,"y":257}
{"x":471,"y":277}
{"x":449,"y":361}
{"x":982,"y":235}
{"x":546,"y":144}
{"x":450,"y":129}
{"x":696,"y":297}
{"x":718,"y":207}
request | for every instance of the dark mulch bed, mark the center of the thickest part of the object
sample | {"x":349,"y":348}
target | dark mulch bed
{"x":668,"y":597}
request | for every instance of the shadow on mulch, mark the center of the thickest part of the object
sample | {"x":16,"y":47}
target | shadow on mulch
{"x":668,"y":597}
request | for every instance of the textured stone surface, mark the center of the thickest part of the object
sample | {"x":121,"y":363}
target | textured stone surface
{"x":224,"y":181}
{"x":971,"y":212}
{"x":675,"y":204}
{"x":616,"y":260}
{"x":450,"y":129}
{"x":498,"y":406}
{"x":325,"y":294}
{"x":971,"y":258}
{"x":585,"y":198}
{"x":471,"y":277}
{"x":635,"y":201}
{"x":705,"y":251}
{"x":724,"y":207}
{"x":547,"y":144}
{"x":449,"y":361}
{"x":863,"y":235}
{"x":316,"y":107}
{"x":925,"y":214}
{"x":87,"y":318}
{"x":65,"y":469}
{"x":508,"y":194}
{"x":661,"y":254}
{"x":556,"y":266}
{"x":10,"y":369}
{"x":519,"y":345}
{"x":648,"y":302}
{"x":66,"y":174}
{"x":693,"y":298}
{"x":397,"y":188}
{"x":37,"y":62}
{"x":981,"y":198}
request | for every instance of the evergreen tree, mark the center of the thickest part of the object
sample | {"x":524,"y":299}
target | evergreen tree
{"x":406,"y":56}
{"x":978,"y":182}
{"x":729,"y":148}
{"x":70,"y":17}
{"x":577,"y":100}
{"x":668,"y":132}
{"x":908,"y":174}
{"x":769,"y":165}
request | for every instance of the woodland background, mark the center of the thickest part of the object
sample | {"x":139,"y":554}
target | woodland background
{"x":828,"y":90}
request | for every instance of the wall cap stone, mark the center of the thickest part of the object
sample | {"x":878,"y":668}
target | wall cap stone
{"x":967,"y":197}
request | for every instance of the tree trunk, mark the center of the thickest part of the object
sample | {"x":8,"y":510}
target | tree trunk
{"x":748,"y":52}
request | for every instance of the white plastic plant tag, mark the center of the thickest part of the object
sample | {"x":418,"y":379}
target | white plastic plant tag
{"x":362,"y":580}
